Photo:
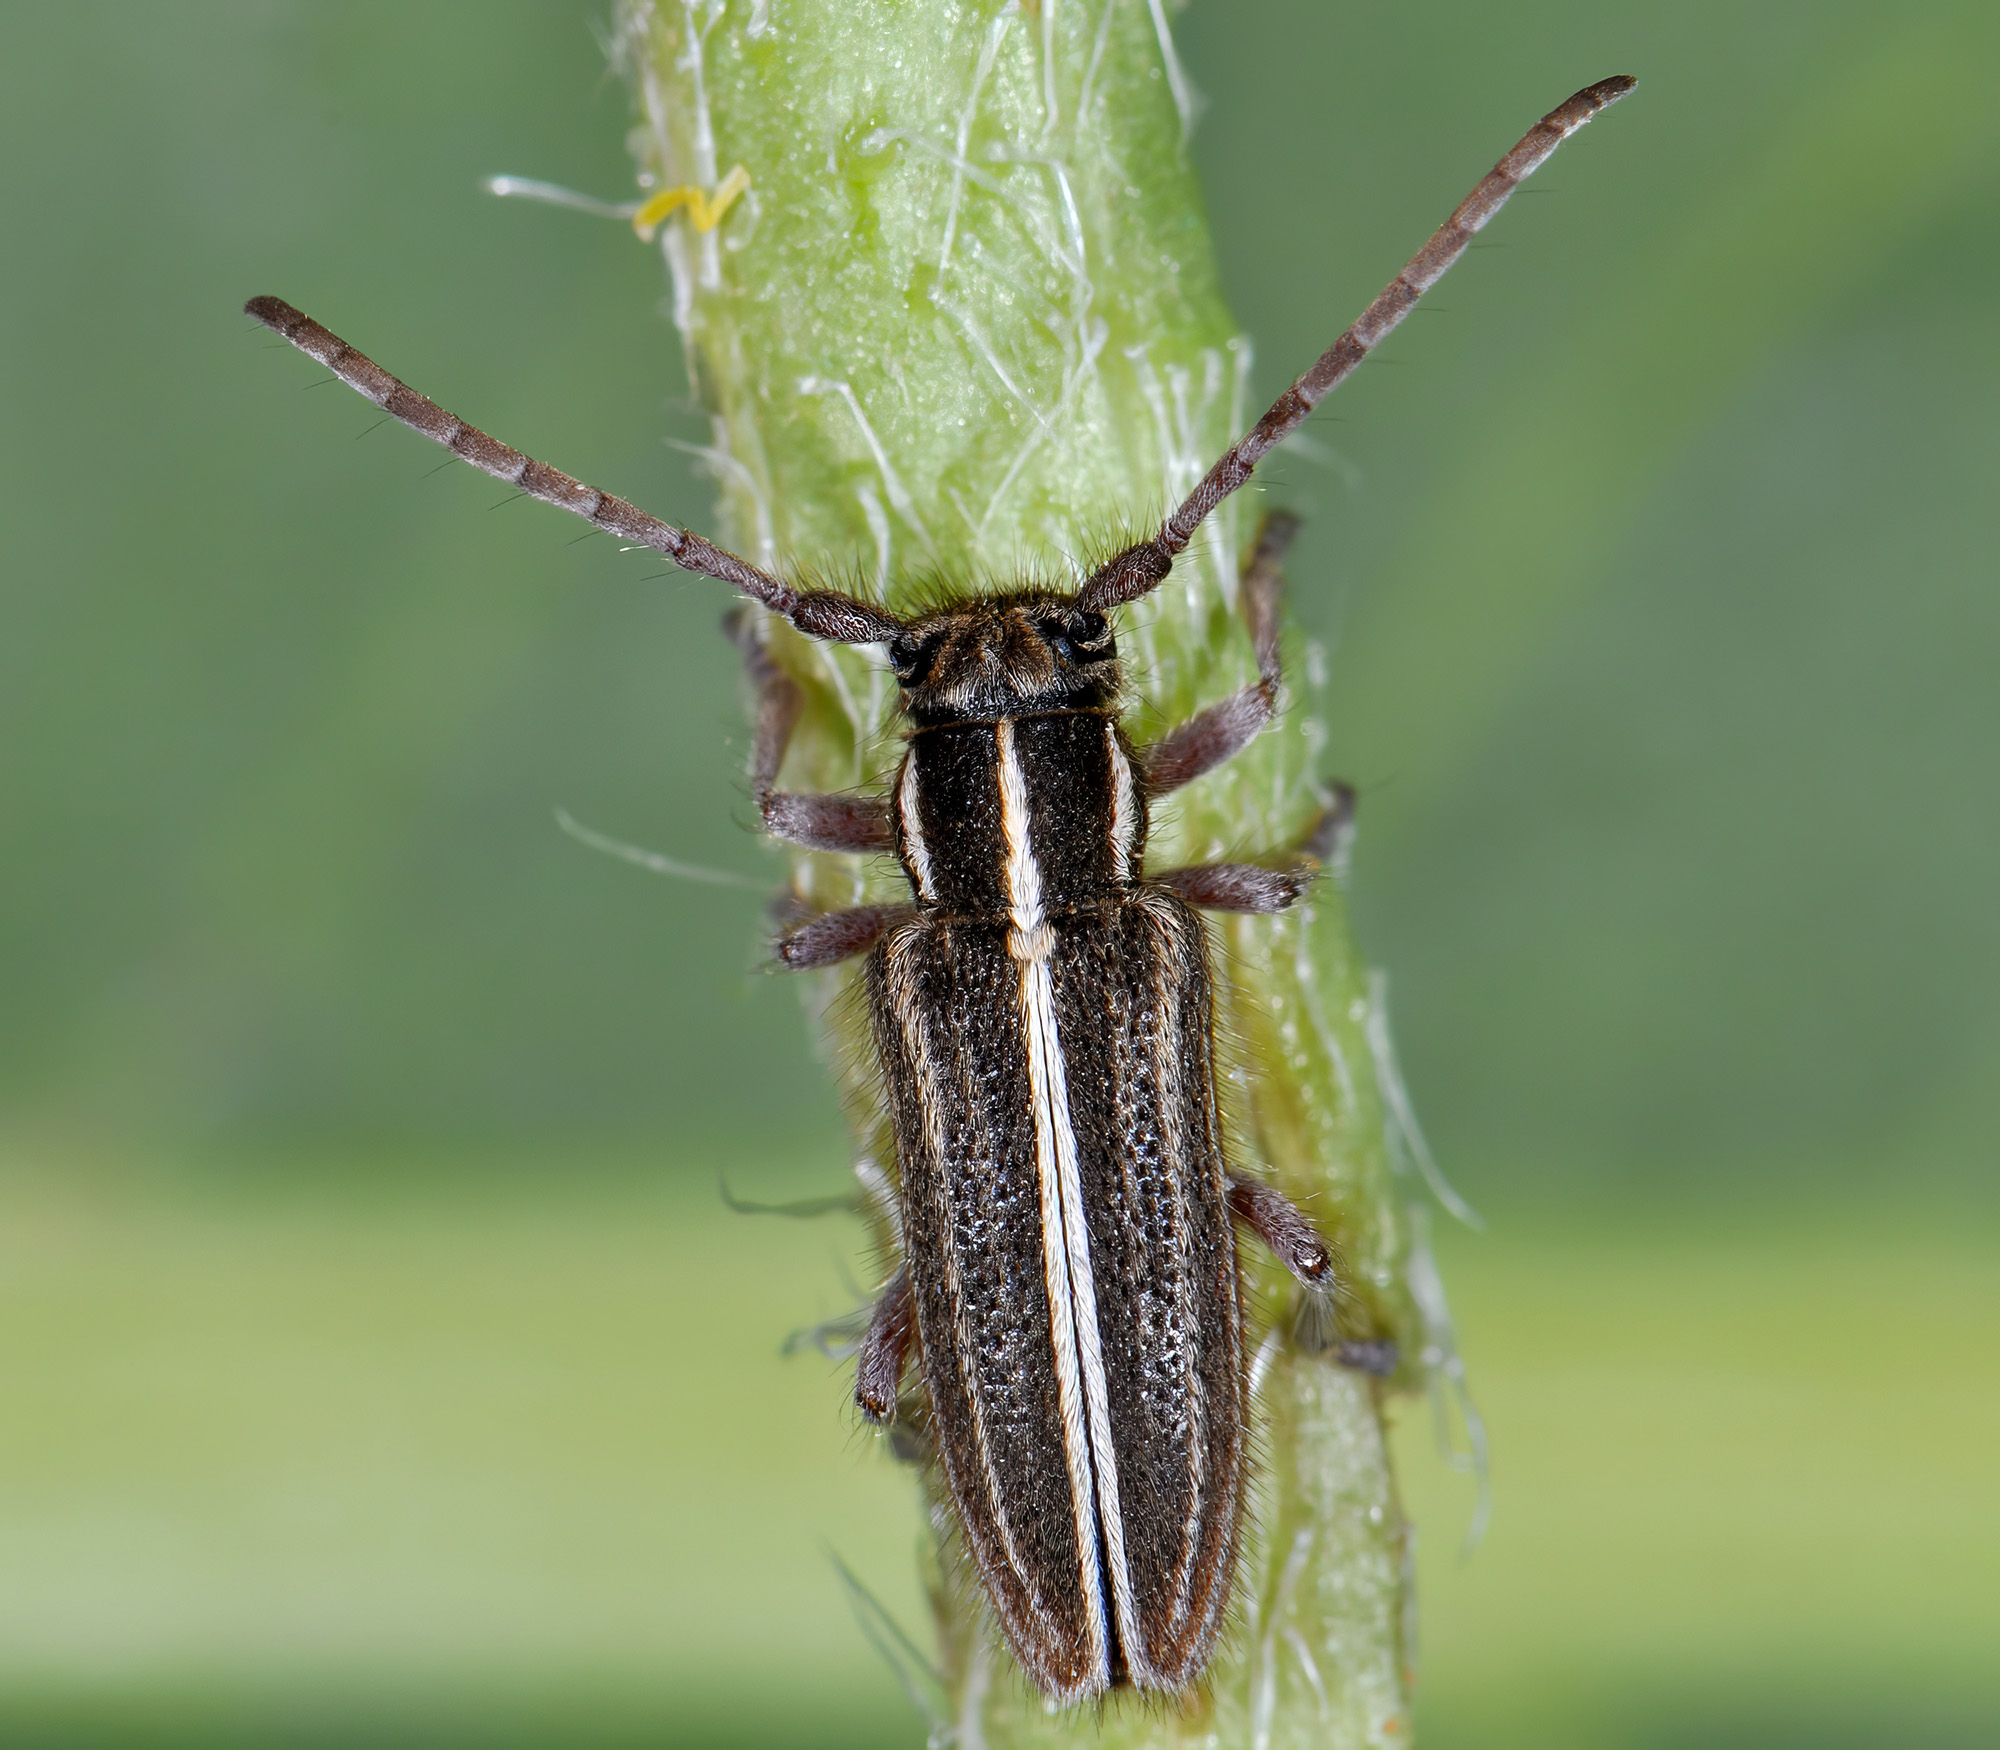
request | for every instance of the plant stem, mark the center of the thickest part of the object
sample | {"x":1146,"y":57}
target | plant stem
{"x":965,"y":326}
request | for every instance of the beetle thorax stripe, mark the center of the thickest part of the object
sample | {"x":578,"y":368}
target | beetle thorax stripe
{"x":1029,"y":939}
{"x":909,"y":812}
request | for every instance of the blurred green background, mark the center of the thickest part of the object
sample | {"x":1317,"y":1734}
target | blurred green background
{"x":381,"y":1364}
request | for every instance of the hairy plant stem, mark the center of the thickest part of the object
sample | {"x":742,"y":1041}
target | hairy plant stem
{"x":963,"y":327}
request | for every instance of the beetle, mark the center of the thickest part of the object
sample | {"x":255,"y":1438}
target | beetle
{"x":1042,"y":1011}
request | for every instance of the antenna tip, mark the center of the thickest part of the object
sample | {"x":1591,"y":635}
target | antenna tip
{"x":274,"y":313}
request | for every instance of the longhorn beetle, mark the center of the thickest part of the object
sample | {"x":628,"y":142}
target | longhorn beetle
{"x":1043,"y":1013}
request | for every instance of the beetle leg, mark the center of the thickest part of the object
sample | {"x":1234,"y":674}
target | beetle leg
{"x":1211,"y":737}
{"x":878,"y":1371}
{"x":834,"y":936}
{"x":1254,"y":887}
{"x":1238,"y":886}
{"x":1279,"y":1222}
{"x":818,"y":822}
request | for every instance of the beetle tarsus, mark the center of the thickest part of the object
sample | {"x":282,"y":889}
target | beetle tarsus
{"x":885,"y":1351}
{"x":1279,"y":1222}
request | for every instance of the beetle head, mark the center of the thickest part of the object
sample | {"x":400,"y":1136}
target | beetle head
{"x":997,"y":656}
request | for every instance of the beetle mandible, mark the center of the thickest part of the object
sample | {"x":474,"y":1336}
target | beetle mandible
{"x":1042,"y":1010}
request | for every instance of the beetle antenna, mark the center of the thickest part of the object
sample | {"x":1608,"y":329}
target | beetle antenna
{"x":1144,"y":565}
{"x":819,"y":613}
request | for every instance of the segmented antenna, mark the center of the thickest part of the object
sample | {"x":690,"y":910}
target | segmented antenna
{"x":1144,"y":565}
{"x":817,"y":613}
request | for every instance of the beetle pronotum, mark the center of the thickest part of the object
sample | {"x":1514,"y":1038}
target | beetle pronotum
{"x":1041,"y":1007}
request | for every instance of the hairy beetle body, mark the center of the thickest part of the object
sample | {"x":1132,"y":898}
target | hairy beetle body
{"x":1044,"y":1030}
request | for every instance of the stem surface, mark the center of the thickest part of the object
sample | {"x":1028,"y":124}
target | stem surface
{"x":964,"y":328}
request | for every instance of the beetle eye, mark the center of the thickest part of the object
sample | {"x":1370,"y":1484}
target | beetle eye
{"x":1087,"y":637}
{"x":911,"y":658}
{"x":1078,"y":638}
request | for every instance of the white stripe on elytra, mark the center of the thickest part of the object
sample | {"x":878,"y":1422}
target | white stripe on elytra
{"x":910,"y":816}
{"x":1124,"y":806}
{"x":1079,"y":1350}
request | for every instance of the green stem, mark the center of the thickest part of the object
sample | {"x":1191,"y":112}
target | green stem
{"x":965,"y":325}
